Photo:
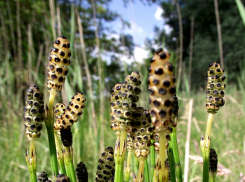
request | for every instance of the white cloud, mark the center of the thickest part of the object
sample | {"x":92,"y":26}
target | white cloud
{"x":158,"y":13}
{"x":167,"y":29}
{"x":138,"y":33}
{"x":140,"y":54}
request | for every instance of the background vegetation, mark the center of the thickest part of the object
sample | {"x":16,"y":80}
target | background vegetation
{"x":28,"y":29}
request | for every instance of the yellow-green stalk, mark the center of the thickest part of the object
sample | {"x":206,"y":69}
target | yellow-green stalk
{"x":161,"y":89}
{"x":214,"y":100}
{"x":33,"y":117}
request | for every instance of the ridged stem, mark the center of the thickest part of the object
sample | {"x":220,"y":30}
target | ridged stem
{"x":122,"y":151}
{"x":31,"y":160}
{"x":206,"y":148}
{"x":60,"y":156}
{"x":52,"y":149}
{"x":171,"y":162}
{"x":162,"y":155}
{"x":49,"y":122}
{"x":116,"y":158}
{"x":152,"y":160}
{"x":51,"y":100}
{"x":178,"y":169}
{"x":212,"y":177}
{"x":146,"y":172}
{"x":156,"y":171}
{"x":68,"y":158}
{"x":141,"y":171}
{"x":128,"y":168}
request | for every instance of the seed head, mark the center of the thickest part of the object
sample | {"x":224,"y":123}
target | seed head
{"x":123,"y":101}
{"x":66,"y":137}
{"x":62,"y":178}
{"x":34,"y":113}
{"x":73,"y":110}
{"x":82,"y":173}
{"x":213,"y":161}
{"x":161,"y":89}
{"x":215,"y":88}
{"x":106,"y":167}
{"x":42,"y":177}
{"x":59,"y":109}
{"x":59,"y":59}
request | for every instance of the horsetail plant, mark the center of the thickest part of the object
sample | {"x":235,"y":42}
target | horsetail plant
{"x":214,"y":100}
{"x":64,"y":117}
{"x":123,"y":103}
{"x":34,"y":116}
{"x":57,"y":70}
{"x":162,"y":89}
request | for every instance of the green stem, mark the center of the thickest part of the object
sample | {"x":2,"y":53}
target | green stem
{"x":212,"y":177}
{"x":174,"y":144}
{"x":68,"y":158}
{"x":122,"y":151}
{"x":49,"y":122}
{"x":52,"y":149}
{"x":31,"y":160}
{"x":146,"y":172}
{"x":60,"y":156}
{"x":152,"y":160}
{"x":206,"y":148}
{"x":171,"y":162}
{"x":116,"y":158}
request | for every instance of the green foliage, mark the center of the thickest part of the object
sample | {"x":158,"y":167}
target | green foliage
{"x":205,"y":48}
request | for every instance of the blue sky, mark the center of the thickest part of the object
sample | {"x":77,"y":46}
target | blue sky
{"x":142,"y":18}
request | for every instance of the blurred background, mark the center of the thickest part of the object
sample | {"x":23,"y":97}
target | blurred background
{"x":110,"y":39}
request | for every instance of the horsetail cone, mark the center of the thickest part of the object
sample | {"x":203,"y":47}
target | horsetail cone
{"x":59,"y":59}
{"x":59,"y":109}
{"x":43,"y":177}
{"x":141,"y":132}
{"x":73,"y":110}
{"x":62,"y":178}
{"x":162,"y":89}
{"x":213,"y":161}
{"x":82,"y":173}
{"x":34,"y":113}
{"x":215,"y":88}
{"x":66,"y":137}
{"x":123,"y":100}
{"x":106,"y":167}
